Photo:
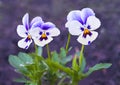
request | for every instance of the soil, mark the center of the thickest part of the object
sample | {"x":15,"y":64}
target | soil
{"x":106,"y":48}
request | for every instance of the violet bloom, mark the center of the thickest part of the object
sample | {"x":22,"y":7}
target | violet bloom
{"x":47,"y":30}
{"x":26,"y":31}
{"x":83,"y":23}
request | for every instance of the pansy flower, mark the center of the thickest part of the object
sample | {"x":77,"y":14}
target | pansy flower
{"x":83,"y":23}
{"x":47,"y":30}
{"x":26,"y":31}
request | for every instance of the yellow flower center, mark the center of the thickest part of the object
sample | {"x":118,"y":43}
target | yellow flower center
{"x":29,"y":37}
{"x":43,"y":36}
{"x":86,"y":32}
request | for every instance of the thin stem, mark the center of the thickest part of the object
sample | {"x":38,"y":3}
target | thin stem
{"x":68,"y":42}
{"x":48,"y":51}
{"x":61,"y":81}
{"x":81,"y":55}
{"x":37,"y":79}
{"x":36,"y":48}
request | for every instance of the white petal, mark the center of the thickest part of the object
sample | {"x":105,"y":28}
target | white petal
{"x":25,"y":21}
{"x":23,"y":44}
{"x":43,"y":42}
{"x":93,"y":22}
{"x":53,"y":31}
{"x":88,"y":39}
{"x":34,"y":32}
{"x":74,"y":27}
{"x":21,"y":31}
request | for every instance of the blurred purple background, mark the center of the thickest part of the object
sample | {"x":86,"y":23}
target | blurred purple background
{"x":106,"y":48}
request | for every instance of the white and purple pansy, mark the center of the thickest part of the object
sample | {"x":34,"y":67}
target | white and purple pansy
{"x":47,"y":30}
{"x":27,"y":31}
{"x":83,"y":23}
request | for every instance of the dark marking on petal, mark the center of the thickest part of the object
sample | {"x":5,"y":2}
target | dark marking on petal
{"x":40,"y":33}
{"x":89,"y":42}
{"x":82,"y":28}
{"x":47,"y":33}
{"x":41,"y":39}
{"x":90,"y":34}
{"x":45,"y":27}
{"x":26,"y":40}
{"x":26,"y":47}
{"x":88,"y":27}
{"x":26,"y":33}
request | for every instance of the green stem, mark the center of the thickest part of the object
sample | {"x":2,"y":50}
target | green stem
{"x":75,"y":82}
{"x":48,"y":51}
{"x":61,"y":81}
{"x":68,"y":42}
{"x":37,"y":79}
{"x":81,"y":55}
{"x":36,"y":49}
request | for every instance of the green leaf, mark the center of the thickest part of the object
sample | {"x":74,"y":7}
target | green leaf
{"x":82,"y":63}
{"x":55,"y":56}
{"x":66,"y":60}
{"x":21,"y":80}
{"x":27,"y":59}
{"x":98,"y":67}
{"x":18,"y":64}
{"x":60,"y":67}
{"x":62,"y":53}
{"x":15,"y":61}
{"x":75,"y":64}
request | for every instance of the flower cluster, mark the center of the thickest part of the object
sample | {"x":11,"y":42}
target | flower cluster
{"x":37,"y":30}
{"x":35,"y":68}
{"x":80,"y":23}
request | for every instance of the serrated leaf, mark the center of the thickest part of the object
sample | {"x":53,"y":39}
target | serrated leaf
{"x":27,"y":59}
{"x":75,"y":64}
{"x":98,"y":67}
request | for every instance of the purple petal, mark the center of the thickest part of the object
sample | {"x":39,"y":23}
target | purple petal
{"x":86,"y":12}
{"x":36,"y":22}
{"x":25,"y":21}
{"x":75,"y":15}
{"x":47,"y":26}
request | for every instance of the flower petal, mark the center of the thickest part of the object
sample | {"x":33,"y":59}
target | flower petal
{"x":47,"y":25}
{"x":24,"y":44}
{"x":53,"y":32}
{"x":75,"y":15}
{"x":43,"y":42}
{"x":21,"y":31}
{"x":36,"y":22}
{"x":88,"y":39}
{"x":34,"y":32}
{"x":74,"y":27}
{"x":93,"y":22}
{"x":85,"y":13}
{"x":25,"y":21}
